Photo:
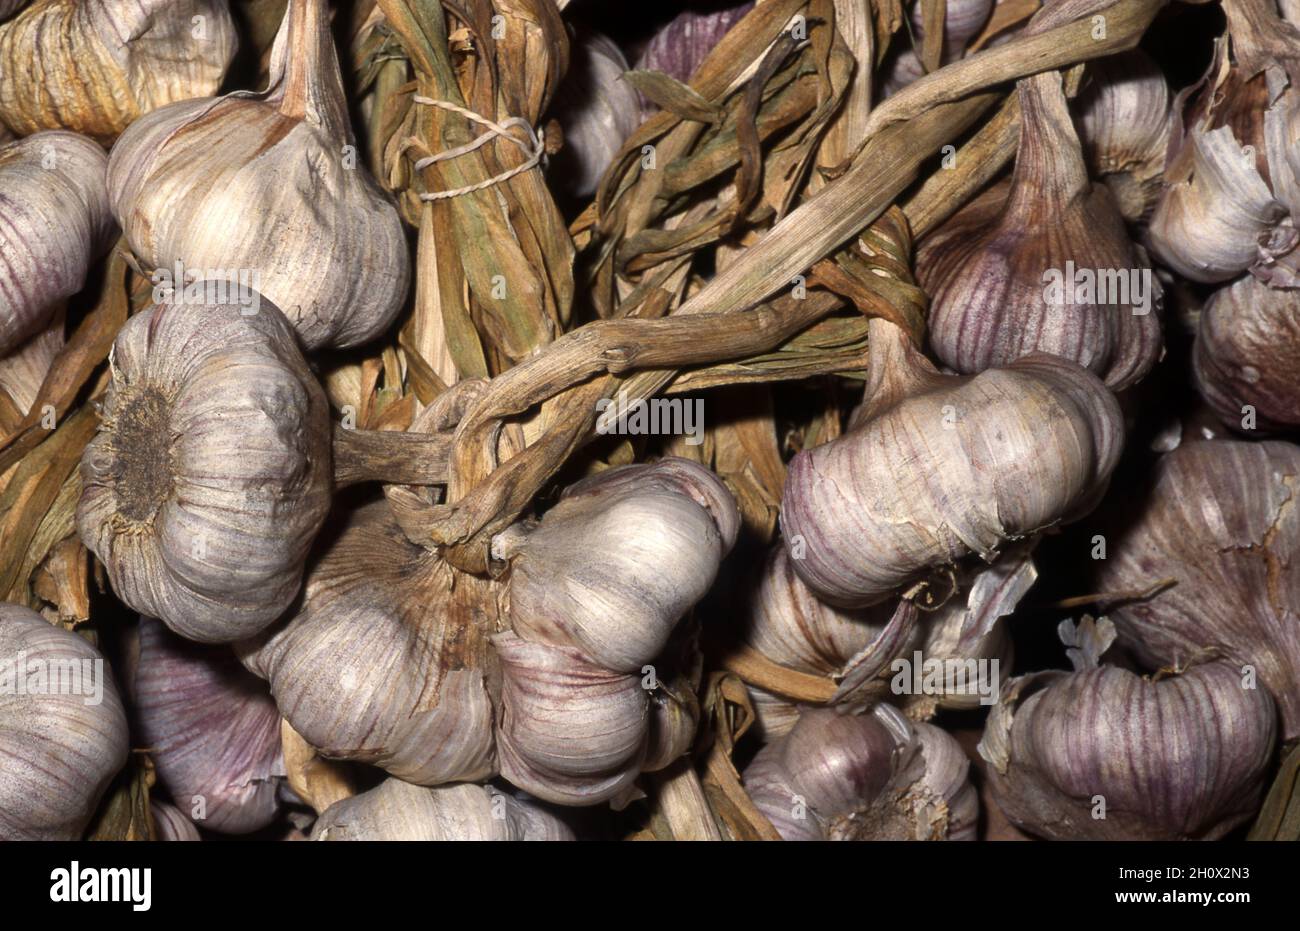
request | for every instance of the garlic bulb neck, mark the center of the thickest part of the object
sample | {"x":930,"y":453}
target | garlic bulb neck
{"x":958,"y":465}
{"x":210,"y":474}
{"x":63,"y":733}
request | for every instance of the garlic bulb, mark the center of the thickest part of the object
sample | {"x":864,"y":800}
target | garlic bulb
{"x":597,"y":110}
{"x":1105,"y":754}
{"x":211,"y":728}
{"x":210,"y":474}
{"x":95,"y":66}
{"x":267,"y":186}
{"x":1050,"y":269}
{"x":23,"y":371}
{"x":396,"y":810}
{"x":936,"y":467}
{"x":1124,"y":125}
{"x":169,"y":824}
{"x":790,"y":626}
{"x":681,"y":46}
{"x":1233,"y":178}
{"x":56,"y":225}
{"x":1247,"y":359}
{"x":963,"y":20}
{"x":1221,"y":520}
{"x":387,"y":661}
{"x":63,"y":733}
{"x":872,"y":776}
{"x":596,"y":588}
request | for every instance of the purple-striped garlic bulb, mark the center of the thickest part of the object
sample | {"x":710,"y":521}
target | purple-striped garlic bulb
{"x":1045,"y":265}
{"x":864,"y":776}
{"x":387,"y":660}
{"x":95,"y":66}
{"x":210,"y":474}
{"x":936,"y":467}
{"x":398,"y":811}
{"x":1220,"y":519}
{"x":169,"y":824}
{"x":597,"y":110}
{"x":212,"y":730}
{"x":56,"y":224}
{"x":23,"y":371}
{"x":1247,"y":357}
{"x":63,"y":733}
{"x":1124,"y":122}
{"x":788,"y":625}
{"x":1232,"y":185}
{"x":963,"y":20}
{"x":267,"y":186}
{"x":596,"y":588}
{"x":681,"y":46}
{"x":1103,"y":753}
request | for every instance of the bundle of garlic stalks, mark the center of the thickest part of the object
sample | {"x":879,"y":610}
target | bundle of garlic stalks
{"x":804,"y":419}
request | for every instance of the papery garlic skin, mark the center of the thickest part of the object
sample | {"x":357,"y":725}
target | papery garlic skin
{"x":1232,"y":183}
{"x":1124,"y":122}
{"x":268,"y":183}
{"x":1049,"y":269}
{"x":23,"y":371}
{"x":936,"y":467}
{"x":376,"y":666}
{"x":1170,"y":759}
{"x":398,"y":811}
{"x":596,"y":589}
{"x":56,"y":225}
{"x":872,"y":776}
{"x":597,"y":110}
{"x":210,"y":474}
{"x":963,"y":21}
{"x":211,"y":728}
{"x":1221,"y":520}
{"x":170,"y":825}
{"x":59,"y":747}
{"x":95,"y":66}
{"x":1247,"y":358}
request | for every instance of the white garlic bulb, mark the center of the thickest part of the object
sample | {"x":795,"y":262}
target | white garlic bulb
{"x":210,"y":474}
{"x":269,"y":186}
{"x":23,"y":370}
{"x":94,"y":66}
{"x":211,"y":728}
{"x":56,"y":225}
{"x":63,"y":733}
{"x":398,"y":811}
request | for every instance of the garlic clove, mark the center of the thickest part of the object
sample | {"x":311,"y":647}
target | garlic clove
{"x":1220,"y":519}
{"x":57,"y":224}
{"x":385,"y":662}
{"x":1052,"y":270}
{"x":212,"y":730}
{"x":94,"y":66}
{"x":937,"y":467}
{"x":266,"y":186}
{"x":1124,"y":122}
{"x":1247,"y":358}
{"x":871,"y":776}
{"x":398,"y":811}
{"x":1105,"y":754}
{"x":169,"y":824}
{"x":210,"y":474}
{"x":63,"y":733}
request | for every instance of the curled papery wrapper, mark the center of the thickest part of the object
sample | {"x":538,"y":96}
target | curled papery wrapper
{"x":210,"y":474}
{"x":596,"y":588}
{"x":1076,"y":755}
{"x":94,"y":66}
{"x":396,"y":810}
{"x":212,"y":730}
{"x":1220,"y":520}
{"x":937,"y":467}
{"x":63,"y":733}
{"x":267,"y":187}
{"x":56,"y":225}
{"x":869,"y":776}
